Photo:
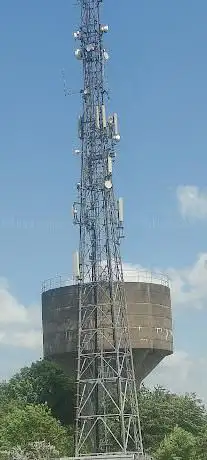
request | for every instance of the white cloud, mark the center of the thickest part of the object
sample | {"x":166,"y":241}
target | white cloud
{"x":31,"y":338}
{"x":20,"y":326}
{"x":179,"y":364}
{"x":10,"y":310}
{"x":181,"y":373}
{"x":188,"y":285}
{"x":136,"y":273}
{"x":192,"y":201}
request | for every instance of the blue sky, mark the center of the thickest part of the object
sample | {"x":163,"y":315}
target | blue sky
{"x":157,"y":74}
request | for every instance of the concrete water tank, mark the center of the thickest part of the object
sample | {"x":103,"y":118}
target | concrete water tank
{"x":149,"y":315}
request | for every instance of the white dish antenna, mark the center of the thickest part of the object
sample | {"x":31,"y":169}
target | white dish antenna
{"x":90,"y":47}
{"x":104,"y":28}
{"x":76,"y":34}
{"x":78,"y":54}
{"x":106,"y":55}
{"x":117,"y":137}
{"x":108,"y":184}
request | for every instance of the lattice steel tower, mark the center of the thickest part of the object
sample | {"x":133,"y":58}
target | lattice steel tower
{"x":107,"y":417}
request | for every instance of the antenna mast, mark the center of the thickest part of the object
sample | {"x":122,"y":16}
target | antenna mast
{"x":107,"y":416}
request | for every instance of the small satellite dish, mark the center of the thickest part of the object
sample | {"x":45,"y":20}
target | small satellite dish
{"x":108,"y":184}
{"x":117,"y":137}
{"x":76,"y":35}
{"x":104,"y":28}
{"x":78,"y":54}
{"x":90,"y":47}
{"x":106,"y":55}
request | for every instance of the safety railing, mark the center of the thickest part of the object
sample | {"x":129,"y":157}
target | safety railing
{"x":130,"y":276}
{"x":57,"y":282}
{"x":145,"y":276}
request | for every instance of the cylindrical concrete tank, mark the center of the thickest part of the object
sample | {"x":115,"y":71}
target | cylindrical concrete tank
{"x":149,"y":315}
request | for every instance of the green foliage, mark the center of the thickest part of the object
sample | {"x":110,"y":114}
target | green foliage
{"x":179,"y":445}
{"x":33,"y":423}
{"x":44,"y":382}
{"x":201,"y":446}
{"x":4,"y":400}
{"x":161,"y":411}
{"x":37,"y":409}
{"x":33,"y":451}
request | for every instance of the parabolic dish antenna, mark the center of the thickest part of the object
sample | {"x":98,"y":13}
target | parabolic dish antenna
{"x":106,"y":56}
{"x":108,"y":184}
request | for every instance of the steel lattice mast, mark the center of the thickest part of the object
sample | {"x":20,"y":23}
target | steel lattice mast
{"x":107,"y":416}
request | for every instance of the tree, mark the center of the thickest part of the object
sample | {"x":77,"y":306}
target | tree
{"x":33,"y":423}
{"x":4,"y":400}
{"x":161,"y":411}
{"x":179,"y":445}
{"x":33,"y":451}
{"x":201,"y":446}
{"x":44,"y":382}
